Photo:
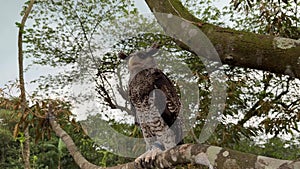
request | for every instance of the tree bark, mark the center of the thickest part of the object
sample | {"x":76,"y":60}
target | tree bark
{"x":239,"y":48}
{"x":26,"y":151}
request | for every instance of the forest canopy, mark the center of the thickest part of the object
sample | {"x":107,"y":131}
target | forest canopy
{"x":236,"y":93}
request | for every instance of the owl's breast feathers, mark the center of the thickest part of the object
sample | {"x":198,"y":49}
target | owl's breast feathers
{"x":141,"y":89}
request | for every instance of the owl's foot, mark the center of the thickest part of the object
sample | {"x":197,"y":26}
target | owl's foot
{"x":147,"y":159}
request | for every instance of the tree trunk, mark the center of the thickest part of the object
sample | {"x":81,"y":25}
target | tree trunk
{"x":26,"y":151}
{"x":239,"y":48}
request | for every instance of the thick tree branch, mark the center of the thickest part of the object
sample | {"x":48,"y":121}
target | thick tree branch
{"x":215,"y":157}
{"x":239,"y":48}
{"x":221,"y":158}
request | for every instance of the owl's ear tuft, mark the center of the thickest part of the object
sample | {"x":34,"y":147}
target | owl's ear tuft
{"x":153,"y":49}
{"x":156,"y":45}
{"x":122,"y":55}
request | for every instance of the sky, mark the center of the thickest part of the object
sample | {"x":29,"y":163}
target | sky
{"x":9,"y":15}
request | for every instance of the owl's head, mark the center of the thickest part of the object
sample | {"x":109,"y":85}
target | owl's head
{"x":141,"y":60}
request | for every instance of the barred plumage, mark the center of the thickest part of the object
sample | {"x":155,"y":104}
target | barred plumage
{"x":156,"y":103}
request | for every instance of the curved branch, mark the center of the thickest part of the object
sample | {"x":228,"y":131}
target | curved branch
{"x":77,"y":156}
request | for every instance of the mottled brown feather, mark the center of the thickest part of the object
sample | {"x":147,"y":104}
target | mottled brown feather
{"x":140,"y":88}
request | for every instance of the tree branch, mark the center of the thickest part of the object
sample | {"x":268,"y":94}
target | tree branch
{"x":239,"y":48}
{"x":196,"y":154}
{"x":26,"y":151}
{"x":258,"y":105}
{"x":77,"y":156}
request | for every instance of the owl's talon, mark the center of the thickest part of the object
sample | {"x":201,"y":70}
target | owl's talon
{"x":147,"y":159}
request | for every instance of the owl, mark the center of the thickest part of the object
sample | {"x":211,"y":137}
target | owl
{"x":156,"y":103}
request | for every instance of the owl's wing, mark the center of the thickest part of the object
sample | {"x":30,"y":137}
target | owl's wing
{"x":172,"y":106}
{"x":172,"y":102}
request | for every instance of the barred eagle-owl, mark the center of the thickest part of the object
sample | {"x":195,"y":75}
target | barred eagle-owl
{"x":156,"y":103}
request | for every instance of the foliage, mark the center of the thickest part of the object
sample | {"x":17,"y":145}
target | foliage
{"x":49,"y":146}
{"x":10,"y":149}
{"x":273,"y":147}
{"x":206,"y":10}
{"x":64,"y":35}
{"x":78,"y":37}
{"x":275,"y":17}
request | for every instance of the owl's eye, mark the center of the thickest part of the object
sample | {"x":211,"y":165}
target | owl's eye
{"x":142,"y":55}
